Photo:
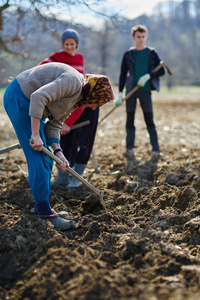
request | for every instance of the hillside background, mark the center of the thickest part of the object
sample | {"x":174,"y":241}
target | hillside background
{"x":174,"y":30}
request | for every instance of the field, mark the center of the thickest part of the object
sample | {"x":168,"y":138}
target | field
{"x":143,"y":244}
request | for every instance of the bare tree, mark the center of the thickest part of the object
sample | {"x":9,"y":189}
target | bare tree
{"x":105,"y":45}
{"x":43,"y":10}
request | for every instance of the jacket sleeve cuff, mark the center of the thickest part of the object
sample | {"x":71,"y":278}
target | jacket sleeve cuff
{"x":52,"y":140}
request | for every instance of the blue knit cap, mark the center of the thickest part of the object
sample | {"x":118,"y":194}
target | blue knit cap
{"x":70,"y":34}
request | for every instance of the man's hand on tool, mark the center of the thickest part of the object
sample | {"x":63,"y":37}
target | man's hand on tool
{"x":119,"y":100}
{"x":65,"y":129}
{"x":143,"y":79}
{"x":65,"y":164}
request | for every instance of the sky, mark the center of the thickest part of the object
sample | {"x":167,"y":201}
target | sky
{"x":127,"y":8}
{"x":131,"y":8}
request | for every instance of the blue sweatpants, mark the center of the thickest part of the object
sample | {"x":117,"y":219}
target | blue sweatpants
{"x":39,"y":164}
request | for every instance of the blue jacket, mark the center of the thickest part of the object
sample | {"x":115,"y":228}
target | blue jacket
{"x":128,"y":66}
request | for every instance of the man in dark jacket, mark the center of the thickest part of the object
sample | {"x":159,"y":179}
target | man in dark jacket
{"x":138,"y":63}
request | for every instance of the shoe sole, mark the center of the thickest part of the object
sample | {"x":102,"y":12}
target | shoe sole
{"x":128,"y":155}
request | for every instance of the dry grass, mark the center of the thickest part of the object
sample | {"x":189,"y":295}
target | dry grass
{"x":189,"y":94}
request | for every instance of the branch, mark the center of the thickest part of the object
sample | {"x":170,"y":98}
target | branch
{"x":2,"y":8}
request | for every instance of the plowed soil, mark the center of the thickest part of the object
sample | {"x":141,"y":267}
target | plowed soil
{"x":144,"y":243}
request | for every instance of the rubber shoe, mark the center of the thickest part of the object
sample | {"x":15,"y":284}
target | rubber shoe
{"x":62,"y":179}
{"x":74,"y":183}
{"x":157,"y":155}
{"x":61,"y":214}
{"x":129,"y":153}
{"x":59,"y":223}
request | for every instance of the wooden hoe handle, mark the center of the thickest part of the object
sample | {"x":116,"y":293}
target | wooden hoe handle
{"x":71,"y":171}
{"x":18,"y":146}
{"x":75,"y":174}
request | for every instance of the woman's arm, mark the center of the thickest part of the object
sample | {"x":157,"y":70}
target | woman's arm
{"x":38,"y":143}
{"x":60,"y":155}
{"x":35,"y":136}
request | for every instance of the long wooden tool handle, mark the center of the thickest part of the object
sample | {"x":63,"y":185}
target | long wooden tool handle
{"x":127,"y":96}
{"x":75,"y":126}
{"x":71,"y":171}
{"x":161,"y":64}
{"x":12,"y":147}
{"x":18,"y":146}
{"x":107,"y":114}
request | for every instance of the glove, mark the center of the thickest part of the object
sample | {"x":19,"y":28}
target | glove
{"x":143,"y":79}
{"x":118,"y":102}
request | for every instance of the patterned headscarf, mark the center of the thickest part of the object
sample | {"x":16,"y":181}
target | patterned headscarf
{"x":97,"y":90}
